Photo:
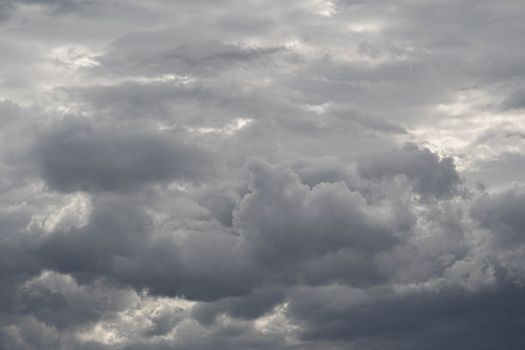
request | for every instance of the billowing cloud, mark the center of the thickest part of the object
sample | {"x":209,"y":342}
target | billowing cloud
{"x":429,"y":174}
{"x":85,"y":157}
{"x":321,"y":174}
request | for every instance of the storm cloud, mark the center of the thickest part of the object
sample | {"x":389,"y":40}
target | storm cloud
{"x":320,"y":174}
{"x":85,"y":157}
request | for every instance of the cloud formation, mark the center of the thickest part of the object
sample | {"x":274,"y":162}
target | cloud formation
{"x":261,"y":175}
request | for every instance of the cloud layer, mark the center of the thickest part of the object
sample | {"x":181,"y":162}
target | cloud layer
{"x":262,"y":175}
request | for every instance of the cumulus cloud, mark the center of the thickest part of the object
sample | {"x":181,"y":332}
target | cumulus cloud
{"x":261,"y":175}
{"x":430,"y":175}
{"x":79,"y":156}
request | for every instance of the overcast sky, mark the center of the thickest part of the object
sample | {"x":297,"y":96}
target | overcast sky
{"x":262,"y":174}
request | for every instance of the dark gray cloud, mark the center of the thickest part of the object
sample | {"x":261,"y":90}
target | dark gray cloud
{"x":450,"y":318}
{"x":119,"y":244}
{"x":81,"y":156}
{"x":321,"y":174}
{"x":430,"y":175}
{"x":251,"y":306}
{"x":503,"y":216}
{"x":147,"y":53}
{"x":329,"y":220}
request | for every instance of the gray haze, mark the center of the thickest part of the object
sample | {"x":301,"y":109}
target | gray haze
{"x":245,"y":174}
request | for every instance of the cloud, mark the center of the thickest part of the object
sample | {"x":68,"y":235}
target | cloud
{"x":185,"y":55}
{"x":332,"y":223}
{"x":54,"y":7}
{"x":432,"y":319}
{"x":261,"y":175}
{"x":79,"y":156}
{"x":515,"y":101}
{"x":430,"y":175}
{"x":502,"y":214}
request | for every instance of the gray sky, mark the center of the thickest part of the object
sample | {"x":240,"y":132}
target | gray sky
{"x":247,"y":174}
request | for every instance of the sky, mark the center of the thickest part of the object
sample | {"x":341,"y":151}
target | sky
{"x":249,"y":174}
